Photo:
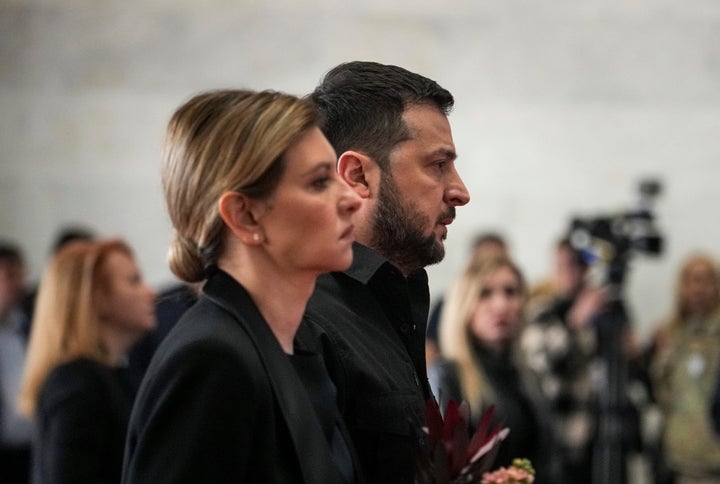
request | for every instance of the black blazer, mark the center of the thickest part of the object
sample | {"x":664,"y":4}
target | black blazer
{"x":80,"y":424}
{"x":221,"y":402}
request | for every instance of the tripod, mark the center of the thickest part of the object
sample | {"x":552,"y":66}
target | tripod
{"x":615,"y":411}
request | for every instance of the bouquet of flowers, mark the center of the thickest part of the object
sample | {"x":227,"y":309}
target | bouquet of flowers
{"x":520,"y":472}
{"x":452,"y":456}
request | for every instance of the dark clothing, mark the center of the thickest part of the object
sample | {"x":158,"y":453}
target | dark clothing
{"x":370,"y":321}
{"x":15,"y":465}
{"x":170,"y":305}
{"x":513,"y":407}
{"x":221,"y":402}
{"x":715,"y":407}
{"x":433,"y":326}
{"x":81,"y":421}
{"x":323,"y":395}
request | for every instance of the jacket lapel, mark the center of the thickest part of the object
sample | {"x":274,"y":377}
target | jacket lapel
{"x":297,"y":410}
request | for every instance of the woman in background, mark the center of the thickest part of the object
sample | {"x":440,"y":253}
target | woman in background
{"x":479,"y":329}
{"x":92,"y":305}
{"x":259,"y":212}
{"x":684,"y":370}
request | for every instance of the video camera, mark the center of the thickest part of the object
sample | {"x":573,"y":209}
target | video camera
{"x":611,"y":239}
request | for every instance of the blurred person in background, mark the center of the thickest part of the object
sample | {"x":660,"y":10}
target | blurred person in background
{"x":92,"y":306}
{"x":66,"y":234}
{"x":684,"y":371}
{"x":485,"y":246}
{"x":15,"y":429}
{"x":480,"y":363}
{"x":170,"y":304}
{"x":560,"y":345}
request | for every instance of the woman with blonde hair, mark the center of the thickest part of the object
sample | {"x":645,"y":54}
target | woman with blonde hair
{"x":479,"y":330}
{"x":684,"y":370}
{"x":92,"y":306}
{"x":259,"y":212}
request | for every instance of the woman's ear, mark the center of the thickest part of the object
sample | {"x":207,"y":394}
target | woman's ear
{"x":359,"y":171}
{"x":236,"y":211}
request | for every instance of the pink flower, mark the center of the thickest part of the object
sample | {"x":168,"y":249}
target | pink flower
{"x":520,"y":472}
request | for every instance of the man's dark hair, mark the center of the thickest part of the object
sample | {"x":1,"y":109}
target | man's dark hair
{"x":10,"y":253}
{"x":577,"y":257}
{"x":71,"y":233}
{"x":361,"y":105}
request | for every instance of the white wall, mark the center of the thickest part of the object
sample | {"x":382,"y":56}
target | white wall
{"x":561,"y":107}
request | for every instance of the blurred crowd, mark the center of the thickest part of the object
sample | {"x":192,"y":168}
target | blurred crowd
{"x":583,"y":397}
{"x":559,"y":359}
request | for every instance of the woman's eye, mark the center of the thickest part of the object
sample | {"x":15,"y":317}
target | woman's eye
{"x":321,"y":183}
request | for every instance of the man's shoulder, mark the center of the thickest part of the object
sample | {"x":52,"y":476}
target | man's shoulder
{"x":335,"y":291}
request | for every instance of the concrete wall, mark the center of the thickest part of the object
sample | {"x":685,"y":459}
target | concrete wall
{"x":562,"y":106}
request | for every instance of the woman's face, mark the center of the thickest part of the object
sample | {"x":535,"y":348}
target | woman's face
{"x":307,"y":225}
{"x":126,"y":303}
{"x":699,"y":290}
{"x":496,"y":318}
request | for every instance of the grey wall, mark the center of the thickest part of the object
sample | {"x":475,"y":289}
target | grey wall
{"x":561,"y":107}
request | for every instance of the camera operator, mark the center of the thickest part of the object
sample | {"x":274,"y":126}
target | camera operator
{"x":560,"y":344}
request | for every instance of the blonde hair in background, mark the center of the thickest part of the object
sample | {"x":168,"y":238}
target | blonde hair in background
{"x":66,"y":323}
{"x":220,"y":141}
{"x":455,"y":335}
{"x":680,"y":311}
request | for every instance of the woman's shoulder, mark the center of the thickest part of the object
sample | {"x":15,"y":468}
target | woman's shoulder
{"x":77,"y":378}
{"x":78,"y":371}
{"x":207,"y":341}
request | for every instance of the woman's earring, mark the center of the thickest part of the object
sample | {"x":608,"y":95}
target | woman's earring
{"x":257,"y":237}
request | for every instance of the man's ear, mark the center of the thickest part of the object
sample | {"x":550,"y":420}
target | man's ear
{"x":236,"y":211}
{"x":359,"y":171}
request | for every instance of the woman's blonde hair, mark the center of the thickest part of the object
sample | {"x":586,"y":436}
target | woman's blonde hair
{"x":456,"y":338}
{"x":66,"y":325}
{"x":219,"y":141}
{"x":681,"y":312}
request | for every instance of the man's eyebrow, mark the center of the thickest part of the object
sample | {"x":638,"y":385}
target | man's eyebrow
{"x":444,"y":152}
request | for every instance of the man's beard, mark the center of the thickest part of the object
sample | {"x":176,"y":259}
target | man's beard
{"x":398,"y":231}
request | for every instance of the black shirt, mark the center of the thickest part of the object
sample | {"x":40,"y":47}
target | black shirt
{"x":371,"y":321}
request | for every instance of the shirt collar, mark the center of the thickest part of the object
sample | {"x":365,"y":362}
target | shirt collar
{"x":367,"y":262}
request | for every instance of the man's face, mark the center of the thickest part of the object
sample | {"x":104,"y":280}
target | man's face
{"x":419,"y":192}
{"x":569,"y":275}
{"x":12,"y":285}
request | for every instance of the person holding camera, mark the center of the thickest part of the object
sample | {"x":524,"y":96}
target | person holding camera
{"x":560,"y":345}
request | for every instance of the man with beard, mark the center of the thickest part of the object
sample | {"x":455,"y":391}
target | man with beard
{"x":390,"y":130}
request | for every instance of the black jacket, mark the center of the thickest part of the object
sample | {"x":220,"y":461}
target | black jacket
{"x":221,"y":402}
{"x":81,"y":421}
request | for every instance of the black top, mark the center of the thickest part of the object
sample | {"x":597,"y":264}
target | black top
{"x":311,"y":370}
{"x":514,"y":408}
{"x":370,"y":321}
{"x":221,"y":402}
{"x":81,"y":422}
